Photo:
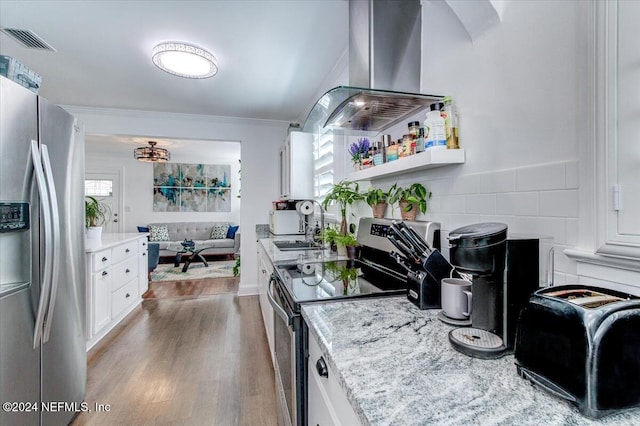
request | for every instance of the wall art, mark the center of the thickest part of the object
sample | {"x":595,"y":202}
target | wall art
{"x":181,"y":187}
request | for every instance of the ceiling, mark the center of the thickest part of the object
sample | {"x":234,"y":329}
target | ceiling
{"x":273,"y":55}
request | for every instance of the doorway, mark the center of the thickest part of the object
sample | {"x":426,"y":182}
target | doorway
{"x":105,"y":186}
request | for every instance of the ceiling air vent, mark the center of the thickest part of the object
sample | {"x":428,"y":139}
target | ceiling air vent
{"x":28,"y":39}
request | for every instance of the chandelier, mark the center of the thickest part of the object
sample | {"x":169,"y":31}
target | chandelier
{"x":151,"y":154}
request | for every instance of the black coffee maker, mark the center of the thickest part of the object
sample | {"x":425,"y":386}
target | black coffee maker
{"x":479,"y":252}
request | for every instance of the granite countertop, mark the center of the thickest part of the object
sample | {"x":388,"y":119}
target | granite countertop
{"x":110,"y":240}
{"x":397,"y":367}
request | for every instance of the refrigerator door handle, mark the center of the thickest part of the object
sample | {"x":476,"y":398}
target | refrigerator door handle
{"x":48,"y":266}
{"x":55,"y":219}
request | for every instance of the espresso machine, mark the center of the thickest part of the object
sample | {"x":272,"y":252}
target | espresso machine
{"x":504,"y":271}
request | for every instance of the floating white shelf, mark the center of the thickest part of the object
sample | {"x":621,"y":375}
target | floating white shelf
{"x":424,"y":160}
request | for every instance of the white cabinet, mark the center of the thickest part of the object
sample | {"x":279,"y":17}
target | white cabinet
{"x":116,"y":274}
{"x":143,"y":266}
{"x":265,"y":269}
{"x":328,"y":403}
{"x":296,"y":166}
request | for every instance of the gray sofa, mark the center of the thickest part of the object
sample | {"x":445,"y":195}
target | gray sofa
{"x":200,"y":233}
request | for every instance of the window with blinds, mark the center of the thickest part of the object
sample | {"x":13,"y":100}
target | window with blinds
{"x":323,"y":164}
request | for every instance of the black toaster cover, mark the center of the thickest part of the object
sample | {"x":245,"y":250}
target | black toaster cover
{"x":582,"y":343}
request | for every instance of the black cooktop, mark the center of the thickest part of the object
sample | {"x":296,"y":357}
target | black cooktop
{"x":315,"y":281}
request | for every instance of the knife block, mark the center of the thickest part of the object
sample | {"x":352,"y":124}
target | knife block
{"x":423,"y":285}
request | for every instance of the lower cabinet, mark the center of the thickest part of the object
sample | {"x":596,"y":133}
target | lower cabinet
{"x":327,"y":402}
{"x":265,"y":269}
{"x":116,"y":278}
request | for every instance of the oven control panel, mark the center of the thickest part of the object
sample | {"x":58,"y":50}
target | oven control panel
{"x":14,"y":216}
{"x":379,"y":230}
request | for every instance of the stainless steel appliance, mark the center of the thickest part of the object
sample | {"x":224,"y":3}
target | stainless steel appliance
{"x":376,"y":273}
{"x":582,"y":344}
{"x":42,"y":297}
{"x":504,"y":270}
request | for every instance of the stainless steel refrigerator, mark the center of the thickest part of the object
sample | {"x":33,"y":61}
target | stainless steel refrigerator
{"x":43,"y":361}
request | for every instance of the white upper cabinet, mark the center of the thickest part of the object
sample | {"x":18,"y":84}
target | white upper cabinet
{"x":618,"y":173}
{"x":296,"y":167}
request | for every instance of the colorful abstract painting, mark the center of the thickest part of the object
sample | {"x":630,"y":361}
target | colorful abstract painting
{"x":180,"y":187}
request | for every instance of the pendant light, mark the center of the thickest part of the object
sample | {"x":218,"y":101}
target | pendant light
{"x":151,"y":154}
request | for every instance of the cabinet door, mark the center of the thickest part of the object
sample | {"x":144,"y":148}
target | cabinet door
{"x":264,"y":275}
{"x":143,"y":272}
{"x":101,"y":302}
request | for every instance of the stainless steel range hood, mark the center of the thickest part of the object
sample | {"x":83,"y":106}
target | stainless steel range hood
{"x":384,"y":70}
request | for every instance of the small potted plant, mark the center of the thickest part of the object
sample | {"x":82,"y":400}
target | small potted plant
{"x":96,"y":214}
{"x":329,"y":235}
{"x":378,"y":199}
{"x":348,"y":245}
{"x":411,"y":200}
{"x":343,"y":193}
{"x":358,"y":151}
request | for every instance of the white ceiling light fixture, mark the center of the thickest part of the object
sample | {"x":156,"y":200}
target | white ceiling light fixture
{"x":184,"y":60}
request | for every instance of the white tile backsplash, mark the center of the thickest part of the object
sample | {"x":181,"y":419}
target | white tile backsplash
{"x":481,"y":203}
{"x":517,"y":203}
{"x":559,"y":203}
{"x":543,"y":177}
{"x":501,"y":181}
{"x":541,"y":200}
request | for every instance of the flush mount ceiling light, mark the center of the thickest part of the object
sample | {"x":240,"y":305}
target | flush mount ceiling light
{"x":151,"y":154}
{"x":184,"y":60}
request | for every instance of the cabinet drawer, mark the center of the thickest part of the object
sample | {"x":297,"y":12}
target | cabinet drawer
{"x":100,"y":260}
{"x":122,"y":298}
{"x":124,"y":251}
{"x":124,"y":272}
{"x":142,"y":245}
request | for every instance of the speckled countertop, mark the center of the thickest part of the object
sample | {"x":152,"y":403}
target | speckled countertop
{"x":397,"y":367}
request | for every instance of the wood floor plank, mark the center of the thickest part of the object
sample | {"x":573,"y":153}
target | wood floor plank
{"x":184,"y":360}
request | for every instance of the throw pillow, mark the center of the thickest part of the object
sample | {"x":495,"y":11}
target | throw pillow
{"x":231,"y":233}
{"x":143,"y":229}
{"x":219,"y":232}
{"x":158,"y":233}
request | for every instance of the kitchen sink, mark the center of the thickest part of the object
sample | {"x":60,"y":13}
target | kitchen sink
{"x":296,"y":245}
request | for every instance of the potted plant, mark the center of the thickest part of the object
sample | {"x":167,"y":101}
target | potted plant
{"x":344,"y":193}
{"x":358,"y":151}
{"x":378,"y":199}
{"x":347,"y":245}
{"x":330,"y":236}
{"x":411,"y":200}
{"x":96,"y":214}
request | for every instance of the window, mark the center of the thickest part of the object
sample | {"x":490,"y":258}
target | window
{"x":323,"y":164}
{"x":98,"y":188}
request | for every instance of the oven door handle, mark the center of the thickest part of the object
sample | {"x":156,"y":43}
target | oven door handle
{"x":277,"y":308}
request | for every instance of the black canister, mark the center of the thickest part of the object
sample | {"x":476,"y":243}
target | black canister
{"x":480,"y":250}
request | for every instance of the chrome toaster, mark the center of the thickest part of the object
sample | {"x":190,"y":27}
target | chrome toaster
{"x":582,"y":343}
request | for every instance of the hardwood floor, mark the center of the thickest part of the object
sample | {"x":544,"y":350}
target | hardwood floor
{"x":184,"y":361}
{"x":199,"y":287}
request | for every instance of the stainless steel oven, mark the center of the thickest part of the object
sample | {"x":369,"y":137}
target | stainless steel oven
{"x":289,"y":350}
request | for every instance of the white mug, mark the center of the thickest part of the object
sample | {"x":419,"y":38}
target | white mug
{"x":456,"y":298}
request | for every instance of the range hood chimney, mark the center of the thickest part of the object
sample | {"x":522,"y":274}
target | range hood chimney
{"x":384,"y":70}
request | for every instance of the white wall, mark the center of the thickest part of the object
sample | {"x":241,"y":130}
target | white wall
{"x":519,"y":86}
{"x":259,"y":142}
{"x":138,"y":179}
